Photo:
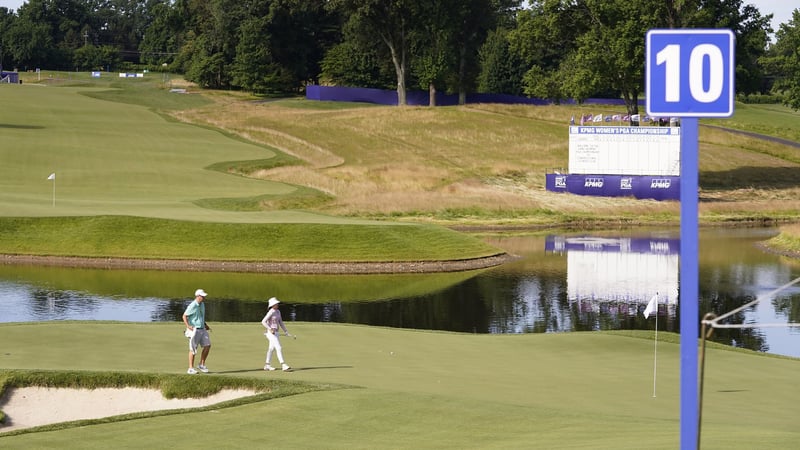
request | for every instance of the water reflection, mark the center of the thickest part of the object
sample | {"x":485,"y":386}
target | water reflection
{"x":560,"y":283}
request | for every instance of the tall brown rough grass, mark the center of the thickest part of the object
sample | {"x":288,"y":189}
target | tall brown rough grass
{"x":486,"y":163}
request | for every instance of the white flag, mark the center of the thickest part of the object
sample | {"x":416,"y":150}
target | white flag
{"x":652,"y":306}
{"x":52,"y":176}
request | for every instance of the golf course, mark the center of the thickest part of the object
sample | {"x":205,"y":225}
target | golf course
{"x":126,"y":169}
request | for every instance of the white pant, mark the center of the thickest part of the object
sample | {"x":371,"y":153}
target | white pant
{"x":274,"y":345}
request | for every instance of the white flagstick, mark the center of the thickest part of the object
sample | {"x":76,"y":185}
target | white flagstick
{"x":652,"y":307}
{"x":53,"y":178}
{"x":655,"y":351}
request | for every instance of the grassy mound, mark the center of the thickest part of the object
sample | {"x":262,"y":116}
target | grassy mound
{"x":136,"y":237}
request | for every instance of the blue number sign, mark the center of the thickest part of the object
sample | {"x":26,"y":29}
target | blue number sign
{"x":690,"y":73}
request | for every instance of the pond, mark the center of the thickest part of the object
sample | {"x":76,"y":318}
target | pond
{"x":560,"y":283}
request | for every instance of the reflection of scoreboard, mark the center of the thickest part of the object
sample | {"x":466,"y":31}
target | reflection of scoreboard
{"x":619,"y":269}
{"x":641,"y":162}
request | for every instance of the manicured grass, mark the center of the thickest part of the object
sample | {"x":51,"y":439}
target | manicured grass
{"x":135,"y":237}
{"x":424,"y":389}
{"x":772,"y":120}
{"x":115,"y":160}
{"x":126,"y":175}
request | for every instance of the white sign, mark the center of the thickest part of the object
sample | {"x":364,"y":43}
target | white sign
{"x":625,"y":150}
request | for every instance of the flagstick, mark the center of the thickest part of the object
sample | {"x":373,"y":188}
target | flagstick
{"x":54,"y":192}
{"x":655,"y":353}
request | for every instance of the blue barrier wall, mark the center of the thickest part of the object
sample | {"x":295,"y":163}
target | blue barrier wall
{"x":638,"y":186}
{"x":420,"y":98}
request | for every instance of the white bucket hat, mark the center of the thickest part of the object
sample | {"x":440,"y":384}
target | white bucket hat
{"x":273,"y":301}
{"x":200,"y":293}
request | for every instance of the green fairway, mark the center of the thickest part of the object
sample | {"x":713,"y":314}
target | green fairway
{"x":118,"y":158}
{"x":424,"y":389}
{"x":129,"y":165}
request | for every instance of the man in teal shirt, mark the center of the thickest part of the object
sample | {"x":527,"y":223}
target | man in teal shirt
{"x":197,"y":331}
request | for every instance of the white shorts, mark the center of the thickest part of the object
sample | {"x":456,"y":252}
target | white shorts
{"x":200,"y":338}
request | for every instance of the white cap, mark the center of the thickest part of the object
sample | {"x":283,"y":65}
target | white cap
{"x":273,"y":301}
{"x":200,"y":293}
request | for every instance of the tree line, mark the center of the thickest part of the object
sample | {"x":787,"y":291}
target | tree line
{"x":552,"y":49}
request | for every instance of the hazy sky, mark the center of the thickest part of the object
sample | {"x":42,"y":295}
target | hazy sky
{"x":781,"y":9}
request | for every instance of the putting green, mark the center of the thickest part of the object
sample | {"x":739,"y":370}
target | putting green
{"x":427,"y":389}
{"x":120,"y":159}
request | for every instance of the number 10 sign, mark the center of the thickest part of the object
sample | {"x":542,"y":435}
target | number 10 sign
{"x":690,"y":73}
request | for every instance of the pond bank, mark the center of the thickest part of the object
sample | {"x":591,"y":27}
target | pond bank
{"x":283,"y":267}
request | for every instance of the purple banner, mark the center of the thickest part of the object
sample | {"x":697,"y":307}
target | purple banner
{"x":638,"y":186}
{"x":9,"y":77}
{"x":421,"y":98}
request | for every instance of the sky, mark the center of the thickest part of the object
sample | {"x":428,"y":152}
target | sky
{"x":781,"y":9}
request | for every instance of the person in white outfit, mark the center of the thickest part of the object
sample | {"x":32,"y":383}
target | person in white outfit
{"x":272,"y":322}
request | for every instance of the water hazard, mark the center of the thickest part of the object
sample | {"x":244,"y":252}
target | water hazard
{"x":561,"y":283}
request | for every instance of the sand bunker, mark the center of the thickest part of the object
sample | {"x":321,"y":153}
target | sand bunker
{"x":33,"y":406}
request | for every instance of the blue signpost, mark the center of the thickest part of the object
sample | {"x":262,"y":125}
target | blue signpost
{"x":689,"y":74}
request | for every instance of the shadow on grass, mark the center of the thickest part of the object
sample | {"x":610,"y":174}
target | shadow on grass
{"x":294,"y":369}
{"x":751,"y":177}
{"x":298,"y":369}
{"x":21,"y":127}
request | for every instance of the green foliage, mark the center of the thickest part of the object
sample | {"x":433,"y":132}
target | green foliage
{"x":208,"y":70}
{"x":349,"y":64}
{"x":500,"y":68}
{"x":783,"y":61}
{"x":253,"y":68}
{"x":760,"y":99}
{"x":90,"y":57}
{"x":165,"y":35}
{"x":280,"y":46}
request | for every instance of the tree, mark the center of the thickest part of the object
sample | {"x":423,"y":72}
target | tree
{"x":752,"y":32}
{"x":501,"y":71}
{"x":253,"y":67}
{"x":164,"y":37}
{"x":474,"y":19}
{"x":91,"y":57}
{"x":783,"y":61}
{"x":350,"y":64}
{"x":433,"y":45}
{"x":210,"y":46}
{"x":388,"y":22}
{"x":300,"y":33}
{"x":46,"y":32}
{"x":6,"y":19}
